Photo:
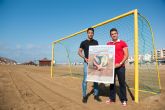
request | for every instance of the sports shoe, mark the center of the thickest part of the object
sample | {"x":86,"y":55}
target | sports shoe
{"x":84,"y":100}
{"x":109,"y":101}
{"x":124,"y":103}
{"x":97,"y":98}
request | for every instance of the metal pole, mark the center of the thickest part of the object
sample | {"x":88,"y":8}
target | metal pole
{"x":136,"y":61}
{"x":52,"y":61}
{"x":97,"y":25}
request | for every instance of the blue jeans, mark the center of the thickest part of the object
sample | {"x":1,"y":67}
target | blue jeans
{"x":84,"y":82}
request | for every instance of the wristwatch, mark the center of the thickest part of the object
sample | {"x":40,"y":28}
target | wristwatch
{"x":120,"y":63}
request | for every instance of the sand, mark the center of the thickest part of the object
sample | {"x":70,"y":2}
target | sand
{"x":31,"y":88}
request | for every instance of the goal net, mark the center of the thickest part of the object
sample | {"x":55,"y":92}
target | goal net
{"x":142,"y":72}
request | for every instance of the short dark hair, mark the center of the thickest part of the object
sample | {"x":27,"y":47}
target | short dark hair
{"x":113,"y":29}
{"x":92,"y":29}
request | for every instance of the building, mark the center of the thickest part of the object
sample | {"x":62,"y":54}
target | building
{"x":160,"y":54}
{"x":141,"y":58}
{"x":147,"y":58}
{"x":44,"y":62}
{"x":29,"y":63}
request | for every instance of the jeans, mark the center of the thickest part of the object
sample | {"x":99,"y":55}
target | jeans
{"x":120,"y":72}
{"x":84,"y":82}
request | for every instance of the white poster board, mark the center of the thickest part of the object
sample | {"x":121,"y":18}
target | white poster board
{"x":101,"y":64}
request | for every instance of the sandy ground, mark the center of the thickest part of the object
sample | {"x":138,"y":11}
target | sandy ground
{"x":31,"y":88}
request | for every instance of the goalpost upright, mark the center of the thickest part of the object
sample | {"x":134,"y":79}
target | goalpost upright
{"x":136,"y":61}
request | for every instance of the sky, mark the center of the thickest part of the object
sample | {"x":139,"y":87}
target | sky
{"x":27,"y":27}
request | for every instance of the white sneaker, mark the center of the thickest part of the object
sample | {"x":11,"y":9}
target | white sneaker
{"x":124,"y":103}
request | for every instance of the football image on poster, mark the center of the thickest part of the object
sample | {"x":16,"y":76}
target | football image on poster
{"x":101,"y":64}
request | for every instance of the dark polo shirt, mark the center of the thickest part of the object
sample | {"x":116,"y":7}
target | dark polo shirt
{"x":85,"y":46}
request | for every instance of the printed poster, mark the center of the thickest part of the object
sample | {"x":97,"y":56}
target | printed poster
{"x":101,"y":64}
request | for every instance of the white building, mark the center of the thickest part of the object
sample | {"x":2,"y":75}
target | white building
{"x":160,"y":54}
{"x":147,"y":58}
{"x":141,"y":58}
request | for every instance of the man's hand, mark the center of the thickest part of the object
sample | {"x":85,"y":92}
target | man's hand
{"x":117,"y":65}
{"x":86,"y":59}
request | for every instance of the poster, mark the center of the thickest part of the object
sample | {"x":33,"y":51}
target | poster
{"x":101,"y":64}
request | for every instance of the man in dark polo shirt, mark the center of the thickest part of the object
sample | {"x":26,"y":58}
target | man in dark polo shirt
{"x":84,"y":46}
{"x":121,"y":55}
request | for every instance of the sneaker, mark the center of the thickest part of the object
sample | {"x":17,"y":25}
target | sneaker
{"x":124,"y":103}
{"x":97,"y":98}
{"x":84,"y":100}
{"x":109,"y":101}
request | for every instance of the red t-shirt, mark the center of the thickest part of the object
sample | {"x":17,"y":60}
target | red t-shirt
{"x":119,"y":53}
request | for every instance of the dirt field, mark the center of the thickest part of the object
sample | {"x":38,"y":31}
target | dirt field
{"x":31,"y":88}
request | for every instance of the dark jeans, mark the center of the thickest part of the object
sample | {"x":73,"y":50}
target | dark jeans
{"x":120,"y":72}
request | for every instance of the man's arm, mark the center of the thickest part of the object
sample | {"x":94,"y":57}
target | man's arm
{"x":81,"y":54}
{"x":126,"y":54}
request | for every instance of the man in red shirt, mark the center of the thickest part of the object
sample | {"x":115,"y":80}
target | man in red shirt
{"x":121,"y":55}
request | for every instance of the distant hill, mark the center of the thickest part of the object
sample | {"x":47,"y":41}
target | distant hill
{"x":4,"y":60}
